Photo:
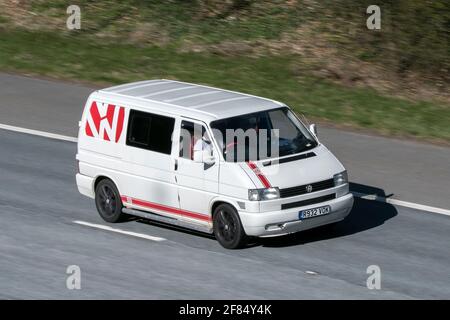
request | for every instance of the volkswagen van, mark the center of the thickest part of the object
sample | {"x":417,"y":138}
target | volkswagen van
{"x":212,"y":160}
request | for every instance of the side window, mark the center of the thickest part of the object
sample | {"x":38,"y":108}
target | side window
{"x":139,"y":129}
{"x":150,"y":131}
{"x":190,"y":134}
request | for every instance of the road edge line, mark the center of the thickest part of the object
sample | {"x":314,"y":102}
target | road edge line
{"x":38,"y":133}
{"x":128,"y":233}
{"x":402,"y":203}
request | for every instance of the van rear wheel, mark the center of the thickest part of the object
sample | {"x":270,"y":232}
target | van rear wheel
{"x":108,"y":202}
{"x":228,"y":227}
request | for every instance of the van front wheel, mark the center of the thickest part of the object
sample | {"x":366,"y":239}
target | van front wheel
{"x":108,"y":202}
{"x":228,"y":228}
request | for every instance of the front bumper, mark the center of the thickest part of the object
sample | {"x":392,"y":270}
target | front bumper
{"x":280,"y":222}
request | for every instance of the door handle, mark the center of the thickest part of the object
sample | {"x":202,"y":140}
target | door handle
{"x":176,"y":165}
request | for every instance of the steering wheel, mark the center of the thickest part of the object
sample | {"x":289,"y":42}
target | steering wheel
{"x":230,"y":145}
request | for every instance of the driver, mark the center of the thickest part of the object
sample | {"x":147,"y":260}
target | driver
{"x":203,"y":144}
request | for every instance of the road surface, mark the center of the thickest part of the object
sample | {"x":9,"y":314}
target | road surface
{"x":39,"y":239}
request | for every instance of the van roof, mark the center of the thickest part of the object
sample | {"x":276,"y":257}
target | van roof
{"x":187,"y":99}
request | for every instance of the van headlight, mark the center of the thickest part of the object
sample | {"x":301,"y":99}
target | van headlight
{"x":340,"y":178}
{"x":263,"y":194}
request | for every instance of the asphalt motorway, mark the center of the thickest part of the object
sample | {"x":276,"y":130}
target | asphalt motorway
{"x":39,"y":238}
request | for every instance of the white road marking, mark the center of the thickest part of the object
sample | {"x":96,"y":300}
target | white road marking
{"x":402,"y":203}
{"x":129,"y":233}
{"x":38,"y":133}
{"x":311,"y":273}
{"x":356,"y":194}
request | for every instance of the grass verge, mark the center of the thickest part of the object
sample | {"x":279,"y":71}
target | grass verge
{"x":79,"y":57}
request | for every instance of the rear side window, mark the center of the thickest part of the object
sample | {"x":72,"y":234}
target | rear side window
{"x":150,"y":131}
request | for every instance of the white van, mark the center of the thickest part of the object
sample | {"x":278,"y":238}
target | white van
{"x":165,"y":150}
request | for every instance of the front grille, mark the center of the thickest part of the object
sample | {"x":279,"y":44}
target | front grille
{"x":298,"y":190}
{"x":308,"y":202}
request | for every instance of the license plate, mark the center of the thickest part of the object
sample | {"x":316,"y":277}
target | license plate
{"x":311,"y":213}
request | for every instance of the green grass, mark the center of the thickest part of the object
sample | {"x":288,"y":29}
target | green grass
{"x":79,"y":57}
{"x":3,"y":19}
{"x":183,"y":19}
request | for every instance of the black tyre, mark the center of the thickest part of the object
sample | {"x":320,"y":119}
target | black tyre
{"x":228,"y":228}
{"x":108,"y":202}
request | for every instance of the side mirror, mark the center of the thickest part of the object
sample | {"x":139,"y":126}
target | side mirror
{"x":204,"y":156}
{"x":313,"y":129}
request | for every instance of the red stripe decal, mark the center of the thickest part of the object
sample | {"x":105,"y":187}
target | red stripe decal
{"x":152,"y":205}
{"x":259,"y":174}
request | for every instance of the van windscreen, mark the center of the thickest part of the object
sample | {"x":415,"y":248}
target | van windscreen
{"x":262,"y":135}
